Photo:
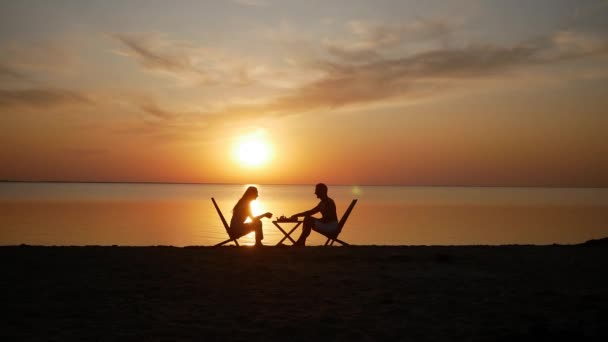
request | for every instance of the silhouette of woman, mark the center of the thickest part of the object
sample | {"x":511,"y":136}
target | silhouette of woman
{"x":240,"y":213}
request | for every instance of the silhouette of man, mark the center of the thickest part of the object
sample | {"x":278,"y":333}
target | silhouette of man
{"x":327,"y":224}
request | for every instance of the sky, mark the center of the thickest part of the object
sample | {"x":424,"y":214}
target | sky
{"x":445,"y":93}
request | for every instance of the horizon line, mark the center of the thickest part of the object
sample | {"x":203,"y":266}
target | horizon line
{"x":298,"y":184}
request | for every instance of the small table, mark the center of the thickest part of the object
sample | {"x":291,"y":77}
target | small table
{"x":287,"y":235}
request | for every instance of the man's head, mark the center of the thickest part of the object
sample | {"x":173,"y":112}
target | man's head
{"x":321,"y":190}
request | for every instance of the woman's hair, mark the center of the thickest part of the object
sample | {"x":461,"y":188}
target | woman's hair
{"x":247,"y":196}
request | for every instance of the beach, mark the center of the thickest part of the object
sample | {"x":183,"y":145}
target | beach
{"x":418,"y":293}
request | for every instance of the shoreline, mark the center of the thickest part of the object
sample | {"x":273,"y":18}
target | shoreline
{"x":591,"y":242}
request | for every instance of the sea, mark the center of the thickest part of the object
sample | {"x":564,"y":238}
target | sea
{"x":142,"y":214}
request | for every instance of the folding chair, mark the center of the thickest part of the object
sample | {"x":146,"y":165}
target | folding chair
{"x":225,"y":226}
{"x":334,"y":238}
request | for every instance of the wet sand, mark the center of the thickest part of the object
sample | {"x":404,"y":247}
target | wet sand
{"x":498,"y":293}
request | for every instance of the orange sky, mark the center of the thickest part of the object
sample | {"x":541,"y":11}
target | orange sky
{"x":395,"y":92}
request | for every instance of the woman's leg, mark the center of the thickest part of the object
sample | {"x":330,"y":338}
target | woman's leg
{"x":246,"y":228}
{"x":240,"y":230}
{"x":259,"y":232}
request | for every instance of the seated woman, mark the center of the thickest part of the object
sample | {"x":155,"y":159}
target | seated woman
{"x":240,"y":213}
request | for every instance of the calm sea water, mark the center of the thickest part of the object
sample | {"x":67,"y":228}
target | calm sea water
{"x":183,"y":215}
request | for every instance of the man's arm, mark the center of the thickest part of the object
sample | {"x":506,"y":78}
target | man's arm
{"x":308,"y":212}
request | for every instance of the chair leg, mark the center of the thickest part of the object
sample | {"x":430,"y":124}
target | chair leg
{"x":330,"y":242}
{"x":342,"y":242}
{"x":225,"y":242}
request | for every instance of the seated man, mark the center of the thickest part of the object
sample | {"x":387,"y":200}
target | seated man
{"x":327,"y":224}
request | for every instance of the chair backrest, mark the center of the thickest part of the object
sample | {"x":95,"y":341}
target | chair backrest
{"x":226,"y":226}
{"x":345,"y":216}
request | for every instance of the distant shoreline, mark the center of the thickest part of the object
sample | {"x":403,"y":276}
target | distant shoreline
{"x":311,"y":184}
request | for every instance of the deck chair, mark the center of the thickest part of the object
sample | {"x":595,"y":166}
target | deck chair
{"x":225,"y":226}
{"x":334,"y":238}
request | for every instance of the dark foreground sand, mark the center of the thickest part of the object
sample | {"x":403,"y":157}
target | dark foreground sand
{"x":506,"y":293}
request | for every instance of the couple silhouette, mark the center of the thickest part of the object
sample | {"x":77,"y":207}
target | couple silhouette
{"x":326,"y":225}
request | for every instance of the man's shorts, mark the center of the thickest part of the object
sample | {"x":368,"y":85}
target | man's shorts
{"x":325,"y":228}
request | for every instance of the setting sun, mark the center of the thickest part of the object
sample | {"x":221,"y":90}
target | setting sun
{"x":253,"y":151}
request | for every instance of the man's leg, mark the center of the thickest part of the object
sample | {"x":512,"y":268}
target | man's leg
{"x":306,"y":228}
{"x":329,"y":229}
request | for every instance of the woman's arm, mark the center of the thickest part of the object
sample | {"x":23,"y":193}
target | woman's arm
{"x":267,"y":214}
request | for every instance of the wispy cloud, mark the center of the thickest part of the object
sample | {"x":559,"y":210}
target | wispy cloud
{"x":572,"y":44}
{"x":155,"y":111}
{"x":374,"y":35}
{"x":340,"y":82}
{"x":42,"y":98}
{"x":255,"y":3}
{"x":8,"y":72}
{"x":84,"y":152}
{"x":344,"y":83}
{"x":370,"y":40}
{"x":156,"y":52}
{"x":57,"y":55}
{"x":188,"y":62}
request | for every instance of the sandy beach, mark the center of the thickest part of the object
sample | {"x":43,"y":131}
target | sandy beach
{"x":504,"y":293}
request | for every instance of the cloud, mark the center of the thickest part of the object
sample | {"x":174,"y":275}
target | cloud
{"x":377,"y":79}
{"x":8,"y":72}
{"x":190,"y":63}
{"x":255,"y":3}
{"x":42,"y":97}
{"x":342,"y":83}
{"x":370,"y":39}
{"x":156,"y":52}
{"x":86,"y":152}
{"x":352,"y":54}
{"x":381,"y":35}
{"x":571,"y":44}
{"x":27,"y":59}
{"x":155,"y":111}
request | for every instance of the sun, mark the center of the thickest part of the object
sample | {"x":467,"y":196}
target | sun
{"x":253,"y":151}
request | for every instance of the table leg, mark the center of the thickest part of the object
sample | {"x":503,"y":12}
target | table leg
{"x":291,"y":231}
{"x":285,"y":233}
